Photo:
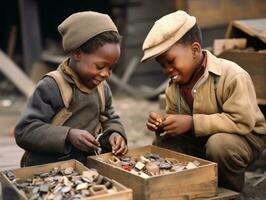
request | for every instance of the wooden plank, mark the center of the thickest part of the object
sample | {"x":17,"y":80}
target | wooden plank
{"x":16,"y":75}
{"x":221,"y":45}
{"x":253,"y":27}
{"x":10,"y":153}
{"x":224,"y":194}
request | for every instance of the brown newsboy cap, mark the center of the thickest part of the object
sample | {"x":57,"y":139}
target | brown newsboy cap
{"x":165,"y":32}
{"x":82,"y":26}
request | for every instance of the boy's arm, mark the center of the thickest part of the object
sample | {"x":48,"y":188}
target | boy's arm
{"x":112,"y":124}
{"x":240,"y":112}
{"x":34,"y":131}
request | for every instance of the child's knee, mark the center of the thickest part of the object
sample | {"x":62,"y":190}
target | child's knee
{"x":228,"y":148}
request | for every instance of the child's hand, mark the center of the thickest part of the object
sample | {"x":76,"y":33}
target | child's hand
{"x":82,"y":139}
{"x":155,"y":122}
{"x":118,"y":143}
{"x":177,"y":124}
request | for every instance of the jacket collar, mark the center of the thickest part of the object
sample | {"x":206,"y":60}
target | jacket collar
{"x":73,"y":78}
{"x":213,"y":64}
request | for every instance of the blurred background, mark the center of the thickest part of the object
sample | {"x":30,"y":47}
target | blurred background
{"x":30,"y":46}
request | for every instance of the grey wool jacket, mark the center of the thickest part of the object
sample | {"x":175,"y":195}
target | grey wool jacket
{"x":46,"y":142}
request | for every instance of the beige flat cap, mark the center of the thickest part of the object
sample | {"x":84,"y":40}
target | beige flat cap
{"x":82,"y":26}
{"x":165,"y":32}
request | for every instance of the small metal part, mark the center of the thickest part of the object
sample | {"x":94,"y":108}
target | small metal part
{"x":165,"y":165}
{"x":98,"y":151}
{"x":125,"y":159}
{"x":44,"y":188}
{"x":82,"y":186}
{"x":66,"y":189}
{"x":163,"y":134}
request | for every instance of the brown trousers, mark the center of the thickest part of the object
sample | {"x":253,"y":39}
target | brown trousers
{"x":233,"y":153}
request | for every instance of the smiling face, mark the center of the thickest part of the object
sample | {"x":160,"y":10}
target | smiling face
{"x":180,"y":61}
{"x":95,"y":67}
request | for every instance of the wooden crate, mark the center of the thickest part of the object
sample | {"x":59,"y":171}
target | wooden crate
{"x":187,"y":184}
{"x":252,"y":61}
{"x":12,"y":192}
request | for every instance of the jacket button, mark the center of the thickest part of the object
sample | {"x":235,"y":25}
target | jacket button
{"x":194,"y":91}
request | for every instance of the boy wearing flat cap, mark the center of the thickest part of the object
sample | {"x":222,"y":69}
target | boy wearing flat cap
{"x":72,"y":106}
{"x":211,"y":104}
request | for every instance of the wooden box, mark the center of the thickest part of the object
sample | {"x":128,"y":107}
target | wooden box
{"x":12,"y":192}
{"x":253,"y":61}
{"x":186,"y":184}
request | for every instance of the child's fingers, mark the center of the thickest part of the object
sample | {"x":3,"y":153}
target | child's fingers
{"x":83,"y":147}
{"x":116,"y":143}
{"x":125,"y":150}
{"x":121,"y":148}
{"x":168,"y":121}
{"x":151,"y":126}
{"x":155,"y":122}
{"x":89,"y":145}
{"x":92,"y":140}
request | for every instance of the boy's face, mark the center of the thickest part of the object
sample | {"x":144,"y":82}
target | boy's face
{"x":95,"y":67}
{"x":179,"y":62}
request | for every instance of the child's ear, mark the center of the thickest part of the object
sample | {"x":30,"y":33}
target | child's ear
{"x":196,"y":49}
{"x":76,"y":54}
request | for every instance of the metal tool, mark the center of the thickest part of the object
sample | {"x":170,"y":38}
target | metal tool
{"x":99,"y":149}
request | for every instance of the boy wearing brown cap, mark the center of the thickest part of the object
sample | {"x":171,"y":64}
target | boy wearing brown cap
{"x":211,"y":104}
{"x":72,"y":107}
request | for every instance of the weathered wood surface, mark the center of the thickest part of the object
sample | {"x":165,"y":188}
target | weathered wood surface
{"x":10,"y":153}
{"x":16,"y":75}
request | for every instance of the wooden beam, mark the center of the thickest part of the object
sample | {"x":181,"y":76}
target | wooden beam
{"x":16,"y":75}
{"x":31,"y":36}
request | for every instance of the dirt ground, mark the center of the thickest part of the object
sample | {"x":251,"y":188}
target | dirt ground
{"x":133,"y":113}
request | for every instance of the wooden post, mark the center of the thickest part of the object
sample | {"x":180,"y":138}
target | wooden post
{"x":31,"y":37}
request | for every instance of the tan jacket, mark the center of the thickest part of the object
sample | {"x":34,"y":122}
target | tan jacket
{"x":224,"y":101}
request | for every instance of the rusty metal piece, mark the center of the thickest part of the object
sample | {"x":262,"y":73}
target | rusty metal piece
{"x":91,"y":173}
{"x":152,"y":169}
{"x":125,"y":158}
{"x":43,"y":175}
{"x":165,"y":165}
{"x":68,"y":171}
{"x":82,"y":186}
{"x":44,"y":188}
{"x":66,"y":189}
{"x":10,"y":175}
{"x":152,"y":156}
{"x":87,"y":179}
{"x":144,"y":160}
